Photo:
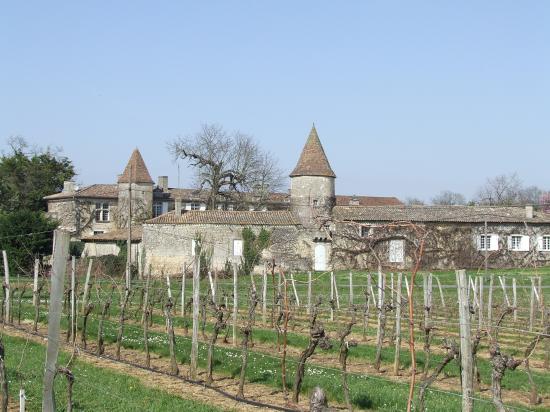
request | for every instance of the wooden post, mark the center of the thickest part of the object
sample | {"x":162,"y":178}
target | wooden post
{"x":35,"y":282}
{"x":129,"y":241}
{"x":332,"y":295}
{"x":398,"y":298}
{"x":22,"y":400}
{"x":336,"y":291}
{"x":532,"y":306}
{"x":264,"y":295}
{"x":87,"y":286}
{"x":169,"y":287}
{"x":309,"y":292}
{"x":235,"y":303}
{"x":392,"y":300}
{"x":502,"y":281}
{"x":541,"y":300}
{"x":294,"y":289}
{"x":196,"y":294}
{"x":182,"y":290}
{"x":60,"y":254}
{"x":490,"y":305}
{"x":73,"y":299}
{"x":515,"y":299}
{"x":480,"y":312}
{"x":212,"y":289}
{"x":350,"y":289}
{"x":441,"y":293}
{"x":7,"y":285}
{"x":381,"y":318}
{"x":465,"y":344}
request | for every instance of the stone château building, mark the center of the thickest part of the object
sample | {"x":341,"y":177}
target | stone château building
{"x":311,"y":227}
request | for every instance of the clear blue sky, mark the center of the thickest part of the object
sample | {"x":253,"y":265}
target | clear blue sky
{"x":409,"y":98}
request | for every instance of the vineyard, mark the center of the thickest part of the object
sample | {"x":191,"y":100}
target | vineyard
{"x":269,"y":340}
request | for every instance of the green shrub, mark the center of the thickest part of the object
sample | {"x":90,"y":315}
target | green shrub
{"x":252,"y":248}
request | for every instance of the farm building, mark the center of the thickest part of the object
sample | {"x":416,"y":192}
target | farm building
{"x":311,"y":227}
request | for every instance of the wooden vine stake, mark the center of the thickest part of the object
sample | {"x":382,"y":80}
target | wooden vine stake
{"x":264,"y":295}
{"x":195,"y":333}
{"x":465,"y":343}
{"x":247,"y":332}
{"x":309,"y":292}
{"x":297,"y":299}
{"x":7,"y":290}
{"x":235,"y":303}
{"x":35,"y":281}
{"x":87,"y":286}
{"x":399,"y":299}
{"x":381,"y":318}
{"x":60,"y":255}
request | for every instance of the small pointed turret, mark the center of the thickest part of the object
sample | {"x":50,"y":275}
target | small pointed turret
{"x":313,"y":160}
{"x":139,"y":172}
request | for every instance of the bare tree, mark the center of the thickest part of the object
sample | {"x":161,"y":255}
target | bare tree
{"x":414,"y":201}
{"x":228,"y":165}
{"x":500,"y":190}
{"x":448,"y":198}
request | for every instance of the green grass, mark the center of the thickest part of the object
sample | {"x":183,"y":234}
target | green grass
{"x":369,"y":392}
{"x":95,"y":389}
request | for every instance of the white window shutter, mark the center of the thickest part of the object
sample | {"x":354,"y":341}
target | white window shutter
{"x":539,"y":243}
{"x":477,"y":241}
{"x":494,"y":242}
{"x":237,"y":247}
{"x":188,"y":206}
{"x":509,"y":242}
{"x":193,"y":244}
{"x":524,"y":246}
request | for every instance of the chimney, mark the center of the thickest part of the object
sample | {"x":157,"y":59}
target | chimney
{"x":163,"y":182}
{"x":177,"y":206}
{"x":68,"y":187}
{"x":529,"y":211}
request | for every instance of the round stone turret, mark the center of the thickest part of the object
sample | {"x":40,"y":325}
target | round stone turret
{"x":312,"y":195}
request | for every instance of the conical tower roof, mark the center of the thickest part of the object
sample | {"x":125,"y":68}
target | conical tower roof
{"x":313,"y":160}
{"x":139,"y":172}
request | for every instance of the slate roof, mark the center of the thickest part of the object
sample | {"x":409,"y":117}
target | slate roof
{"x":342,"y":200}
{"x":455,"y":214}
{"x":313,"y":160}
{"x":139,"y":172}
{"x":226,"y":217}
{"x":115,"y":235}
{"x":97,"y":191}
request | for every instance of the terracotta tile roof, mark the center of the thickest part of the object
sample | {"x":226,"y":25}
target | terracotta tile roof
{"x":313,"y":160}
{"x":456,"y":214}
{"x":136,"y":165}
{"x":116,"y":235}
{"x":225,"y":217}
{"x":97,"y":191}
{"x":202,"y":195}
{"x":344,"y":200}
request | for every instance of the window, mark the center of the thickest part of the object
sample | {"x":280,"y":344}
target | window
{"x":237,"y":247}
{"x":485,"y":242}
{"x":98,"y":232}
{"x":195,"y":206}
{"x":365,"y":230}
{"x":230,"y":206}
{"x":519,"y":243}
{"x":102,"y":212}
{"x":397,"y":251}
{"x":544,"y":243}
{"x":157,"y":209}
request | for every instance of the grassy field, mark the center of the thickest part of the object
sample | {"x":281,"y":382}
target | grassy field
{"x":94,"y":389}
{"x":369,"y":391}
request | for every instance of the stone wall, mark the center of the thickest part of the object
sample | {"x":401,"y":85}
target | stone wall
{"x":447,"y":246}
{"x":168,"y":246}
